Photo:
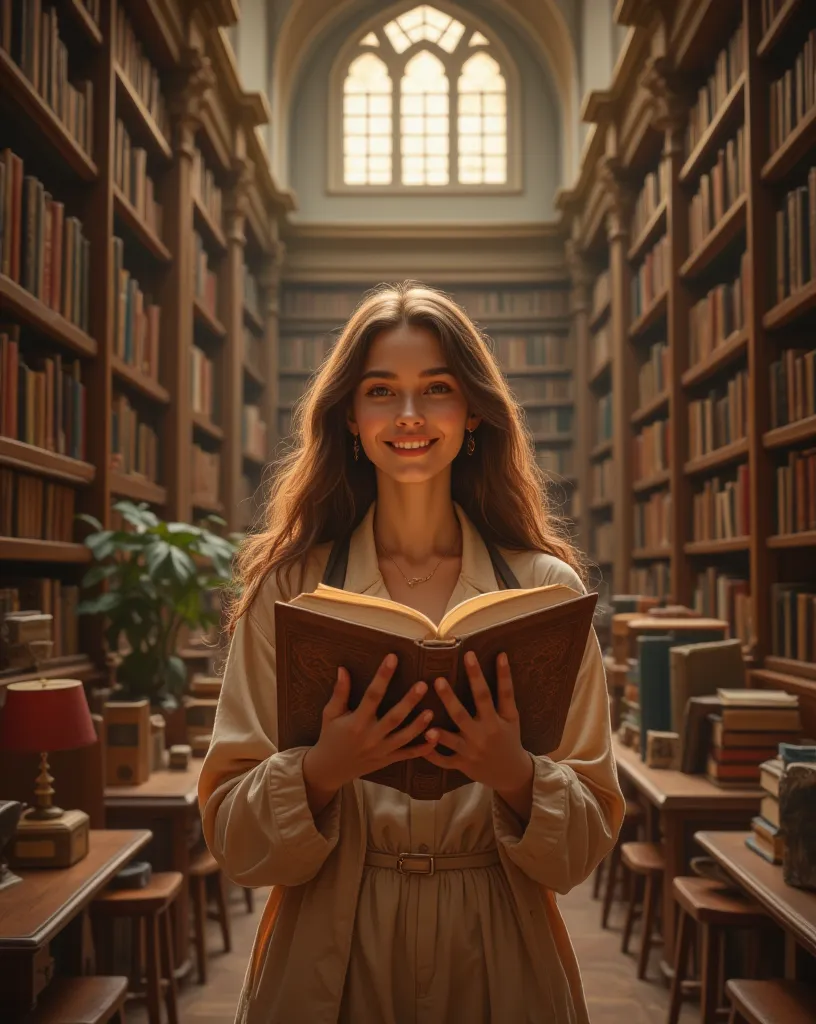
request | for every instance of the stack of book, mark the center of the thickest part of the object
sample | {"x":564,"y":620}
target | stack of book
{"x":766,"y":839}
{"x":747,"y":732}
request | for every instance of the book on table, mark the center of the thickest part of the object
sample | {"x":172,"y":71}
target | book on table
{"x":543,"y":631}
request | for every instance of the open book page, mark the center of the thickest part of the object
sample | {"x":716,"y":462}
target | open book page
{"x":487,"y":609}
{"x":757,"y":698}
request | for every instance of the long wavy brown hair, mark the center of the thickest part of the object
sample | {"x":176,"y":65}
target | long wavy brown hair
{"x":319,"y":492}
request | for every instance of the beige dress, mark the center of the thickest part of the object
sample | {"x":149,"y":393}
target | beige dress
{"x":343,"y":941}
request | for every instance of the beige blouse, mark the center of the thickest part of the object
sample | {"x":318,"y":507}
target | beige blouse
{"x":340,"y":941}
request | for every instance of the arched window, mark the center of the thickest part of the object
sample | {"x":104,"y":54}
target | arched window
{"x":426,"y":105}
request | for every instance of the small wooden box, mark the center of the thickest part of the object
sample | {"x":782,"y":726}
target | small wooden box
{"x":199,"y":714}
{"x":206,"y":687}
{"x":58,"y":843}
{"x":662,"y":749}
{"x":180,"y":754}
{"x":127,"y":739}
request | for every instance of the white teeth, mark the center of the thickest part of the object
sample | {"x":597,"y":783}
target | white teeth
{"x":412,"y":444}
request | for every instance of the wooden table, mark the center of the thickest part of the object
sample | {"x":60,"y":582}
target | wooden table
{"x":683,"y":804}
{"x":167,"y":804}
{"x":35,"y":911}
{"x":794,"y":910}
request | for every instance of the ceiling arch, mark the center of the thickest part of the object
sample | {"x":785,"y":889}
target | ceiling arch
{"x":541,"y":21}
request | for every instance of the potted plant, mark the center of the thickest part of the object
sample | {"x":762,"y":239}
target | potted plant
{"x":160,"y":577}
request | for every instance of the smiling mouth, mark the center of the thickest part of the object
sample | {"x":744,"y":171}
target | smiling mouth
{"x":412,"y":447}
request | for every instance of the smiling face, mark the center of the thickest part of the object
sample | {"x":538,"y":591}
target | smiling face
{"x":409,"y":409}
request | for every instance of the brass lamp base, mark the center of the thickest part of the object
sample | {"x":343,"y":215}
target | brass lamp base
{"x":51,"y":842}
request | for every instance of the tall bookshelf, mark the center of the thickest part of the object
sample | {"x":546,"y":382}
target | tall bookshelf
{"x":715,"y":158}
{"x":99,"y":314}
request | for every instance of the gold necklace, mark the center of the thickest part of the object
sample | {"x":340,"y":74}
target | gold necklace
{"x":412,"y":582}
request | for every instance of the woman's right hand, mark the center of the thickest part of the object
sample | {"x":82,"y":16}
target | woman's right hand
{"x":355,"y":743}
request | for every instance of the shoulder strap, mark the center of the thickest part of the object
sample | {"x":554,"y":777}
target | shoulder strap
{"x":501,"y":568}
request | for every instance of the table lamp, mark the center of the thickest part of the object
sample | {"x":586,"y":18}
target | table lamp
{"x":42,"y":717}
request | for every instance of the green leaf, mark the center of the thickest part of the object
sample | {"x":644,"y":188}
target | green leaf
{"x":97,"y":574}
{"x":100,"y":605}
{"x":183,"y":565}
{"x":100,"y":544}
{"x":155,"y":555}
{"x":137,"y":515}
{"x":83,"y":517}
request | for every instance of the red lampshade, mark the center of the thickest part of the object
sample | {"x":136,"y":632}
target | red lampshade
{"x":44,"y":716}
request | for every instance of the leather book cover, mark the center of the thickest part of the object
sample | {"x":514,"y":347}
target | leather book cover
{"x":545,"y":649}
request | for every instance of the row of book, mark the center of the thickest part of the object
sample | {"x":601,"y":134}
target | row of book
{"x":51,"y":597}
{"x":299,"y":352}
{"x":43,"y":406}
{"x":793,"y":387}
{"x":651,"y":450}
{"x":205,"y":188}
{"x":653,"y":374}
{"x":745,"y":734}
{"x":718,"y":190}
{"x":140,"y":72}
{"x":793,"y":621}
{"x":531,"y":388}
{"x":796,"y":239}
{"x":134,"y":444}
{"x":796,"y":492}
{"x":130,"y":174}
{"x":515,"y":352}
{"x":793,"y":95}
{"x":600,"y":347}
{"x":718,"y":315}
{"x":652,"y":192}
{"x":206,"y":474}
{"x":253,"y":432}
{"x":601,"y":293}
{"x":253,"y":355}
{"x":40,"y":248}
{"x":30,"y":34}
{"x":603,"y":480}
{"x":548,"y":421}
{"x":652,"y":580}
{"x":652,"y":521}
{"x":34,"y":508}
{"x":201,"y":381}
{"x":728,"y":67}
{"x":722,"y":509}
{"x":767,"y":838}
{"x":313,"y":302}
{"x":652,"y":277}
{"x":603,"y":419}
{"x":720,"y":596}
{"x":136,"y":318}
{"x":558,"y":461}
{"x":603,"y":545}
{"x":205,"y":280}
{"x":719,"y":419}
{"x":252,"y":294}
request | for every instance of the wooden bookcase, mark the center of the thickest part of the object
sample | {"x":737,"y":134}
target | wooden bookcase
{"x":163,"y":94}
{"x":735,"y":323}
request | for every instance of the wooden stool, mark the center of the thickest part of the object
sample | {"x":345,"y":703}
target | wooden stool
{"x":202,"y":867}
{"x":642,"y":860}
{"x":81,"y":1001}
{"x":771,"y":1002}
{"x":716,"y":910}
{"x":148,"y":910}
{"x":632,"y":820}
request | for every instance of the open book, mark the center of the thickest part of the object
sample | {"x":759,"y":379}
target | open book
{"x":543,"y":630}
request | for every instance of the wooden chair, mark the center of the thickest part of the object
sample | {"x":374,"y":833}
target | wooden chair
{"x":771,"y":1002}
{"x":646,"y":865}
{"x":632,"y":820}
{"x":81,"y":1001}
{"x":148,"y":911}
{"x":205,"y":866}
{"x":716,"y":910}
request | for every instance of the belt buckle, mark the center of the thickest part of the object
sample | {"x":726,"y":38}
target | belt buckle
{"x":426,"y":857}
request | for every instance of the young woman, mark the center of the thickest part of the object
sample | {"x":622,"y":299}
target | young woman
{"x":409,"y":441}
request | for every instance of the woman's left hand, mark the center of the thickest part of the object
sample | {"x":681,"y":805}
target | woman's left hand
{"x":487,"y":747}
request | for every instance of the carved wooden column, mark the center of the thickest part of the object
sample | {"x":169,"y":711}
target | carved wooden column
{"x":195,"y":81}
{"x":232,"y":456}
{"x":270,"y":279}
{"x":624,"y":373}
{"x":580,"y":281}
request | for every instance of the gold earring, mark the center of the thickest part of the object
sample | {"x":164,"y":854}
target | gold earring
{"x":356,"y":447}
{"x":471,"y":442}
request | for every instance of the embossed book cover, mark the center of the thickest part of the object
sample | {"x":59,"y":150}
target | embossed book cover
{"x":543,"y":630}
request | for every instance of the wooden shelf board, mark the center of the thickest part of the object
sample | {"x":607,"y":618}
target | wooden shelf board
{"x":650,"y":409}
{"x":14,"y":549}
{"x":805,"y":539}
{"x":206,"y":426}
{"x":651,"y":554}
{"x":522,"y":371}
{"x":547,"y":403}
{"x":13,"y":83}
{"x":601,"y":506}
{"x":253,"y":375}
{"x":777,"y":27}
{"x":600,"y":373}
{"x":652,"y":483}
{"x":735,"y":346}
{"x":72,"y":666}
{"x":729,"y":112}
{"x":137,"y":488}
{"x":211,"y":229}
{"x":254,"y":459}
{"x":800,"y":685}
{"x":655,"y":312}
{"x":791,"y":433}
{"x":30,"y":310}
{"x":530,"y":321}
{"x":654,"y":227}
{"x":82,"y":17}
{"x":552,"y":438}
{"x":597,"y":319}
{"x":717,"y":240}
{"x":150,"y":129}
{"x":791,"y":308}
{"x":253,"y":321}
{"x":210,"y":323}
{"x":204,"y":503}
{"x":31,"y":459}
{"x":733,"y":452}
{"x":139,"y":381}
{"x":796,"y":147}
{"x":791,"y":666}
{"x":600,"y":451}
{"x":149,"y":241}
{"x":717,"y":547}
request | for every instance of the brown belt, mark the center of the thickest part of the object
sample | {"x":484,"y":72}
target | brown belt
{"x":428,"y":863}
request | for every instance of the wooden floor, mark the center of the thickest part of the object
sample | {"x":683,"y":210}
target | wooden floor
{"x":613,"y":993}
